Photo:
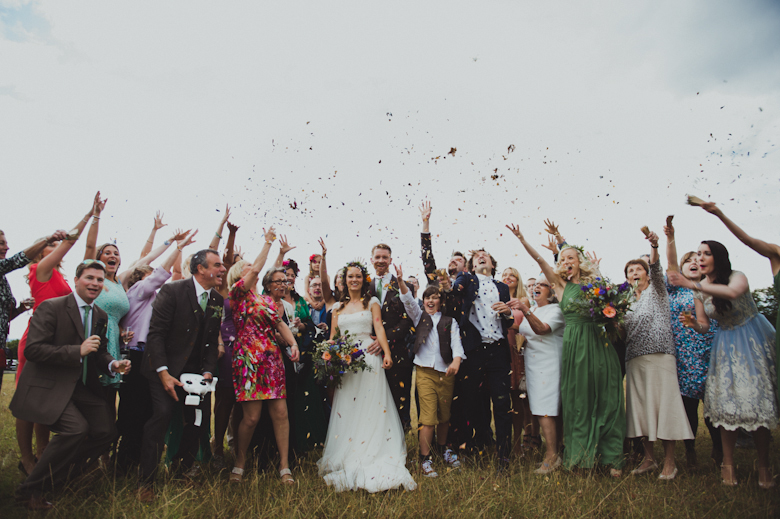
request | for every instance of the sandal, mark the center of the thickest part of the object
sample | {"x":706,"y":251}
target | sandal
{"x":236,"y":475}
{"x":732,"y":480}
{"x":616,"y":473}
{"x":768,"y":482}
{"x":288,"y":480}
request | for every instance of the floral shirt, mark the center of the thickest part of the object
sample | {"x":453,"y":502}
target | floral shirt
{"x":7,"y":301}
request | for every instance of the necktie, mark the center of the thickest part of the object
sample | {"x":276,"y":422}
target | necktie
{"x":204,"y":298}
{"x":87,"y":308}
{"x":379,"y":290}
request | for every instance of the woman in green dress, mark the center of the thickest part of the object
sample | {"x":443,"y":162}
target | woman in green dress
{"x":594,"y":416}
{"x":768,"y":250}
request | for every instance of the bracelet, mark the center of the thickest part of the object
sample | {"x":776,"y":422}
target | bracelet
{"x":85,"y":219}
{"x":167,"y":243}
{"x":95,"y":218}
{"x":149,"y":241}
{"x":180,"y":249}
{"x":218,"y":235}
{"x":697,"y":285}
{"x":654,"y":246}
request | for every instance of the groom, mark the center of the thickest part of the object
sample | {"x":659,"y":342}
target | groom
{"x":183,"y":338}
{"x":398,"y":326}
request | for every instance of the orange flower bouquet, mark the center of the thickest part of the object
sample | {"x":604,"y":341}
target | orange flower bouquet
{"x":604,"y":303}
{"x":334,"y":358}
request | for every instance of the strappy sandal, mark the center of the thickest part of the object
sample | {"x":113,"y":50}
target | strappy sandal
{"x":289,"y":479}
{"x":236,"y":475}
{"x":732,"y":481}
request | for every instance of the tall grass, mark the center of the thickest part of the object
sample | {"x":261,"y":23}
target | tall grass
{"x":474,"y":491}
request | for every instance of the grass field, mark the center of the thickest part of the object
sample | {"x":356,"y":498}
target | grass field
{"x":474,"y":491}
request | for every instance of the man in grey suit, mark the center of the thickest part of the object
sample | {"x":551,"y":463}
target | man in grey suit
{"x":59,"y":385}
{"x":183,"y":338}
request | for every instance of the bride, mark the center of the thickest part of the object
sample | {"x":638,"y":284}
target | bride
{"x":365,"y":447}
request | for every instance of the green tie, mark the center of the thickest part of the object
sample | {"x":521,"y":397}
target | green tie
{"x":87,"y":308}
{"x":379,"y":291}
{"x":204,"y":298}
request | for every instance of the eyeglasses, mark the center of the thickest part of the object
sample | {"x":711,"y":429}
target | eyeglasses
{"x":90,"y":261}
{"x":545,"y":285}
{"x":280,"y":282}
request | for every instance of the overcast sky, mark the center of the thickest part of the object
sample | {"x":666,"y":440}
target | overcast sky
{"x":599,"y":115}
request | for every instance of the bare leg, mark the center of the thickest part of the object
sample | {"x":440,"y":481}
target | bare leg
{"x":426,"y":439}
{"x":517,"y":423}
{"x":649,"y":459}
{"x":669,"y":464}
{"x":548,"y":426}
{"x":224,"y":398}
{"x":761,"y":438}
{"x":246,"y":429}
{"x":42,"y":434}
{"x":24,"y":434}
{"x":278,"y":411}
{"x":441,"y":433}
{"x":729,"y":440}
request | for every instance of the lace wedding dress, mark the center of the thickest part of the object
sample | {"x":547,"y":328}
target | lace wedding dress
{"x":365,"y":446}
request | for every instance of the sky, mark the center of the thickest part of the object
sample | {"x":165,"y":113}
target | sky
{"x":336,"y":119}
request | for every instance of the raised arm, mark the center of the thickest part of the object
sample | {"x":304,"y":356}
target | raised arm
{"x":671,"y":249}
{"x":251,"y":277}
{"x":47,"y":265}
{"x":768,"y":250}
{"x":426,"y":249}
{"x":174,"y":257}
{"x":654,"y":256}
{"x":153,"y":255}
{"x":410,"y":303}
{"x":284,"y":248}
{"x":158,"y":224}
{"x":558,"y":284}
{"x":214,"y":245}
{"x":327,"y":292}
{"x":97,"y":208}
{"x":227,"y":258}
{"x":9,"y":264}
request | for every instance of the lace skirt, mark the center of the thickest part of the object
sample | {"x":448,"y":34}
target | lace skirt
{"x":741,"y":384}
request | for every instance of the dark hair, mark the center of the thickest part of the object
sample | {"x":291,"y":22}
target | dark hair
{"x":364,"y":295}
{"x":93,"y":264}
{"x":723,"y":271}
{"x":642,"y":263}
{"x":290,"y":264}
{"x":381,"y":246}
{"x":138,"y":274}
{"x":200,"y":258}
{"x":458,"y":253}
{"x":430,"y":291}
{"x":470,"y":262}
{"x":100,"y":253}
{"x":270,"y":273}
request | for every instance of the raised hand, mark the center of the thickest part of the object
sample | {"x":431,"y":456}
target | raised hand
{"x":550,"y":227}
{"x":515,"y":230}
{"x":324,"y":248}
{"x":678,"y":280}
{"x":653,"y":239}
{"x":711,"y":208}
{"x":98,"y":205}
{"x":285,"y":247}
{"x":238,"y":254}
{"x":188,"y":240}
{"x":179,"y":235}
{"x":595,"y":259}
{"x":552,"y":245}
{"x":399,"y":273}
{"x":57,"y":235}
{"x":158,"y":223}
{"x":425,"y":211}
{"x":226,"y":215}
{"x":669,"y":231}
{"x":232,"y":228}
{"x":270,"y":234}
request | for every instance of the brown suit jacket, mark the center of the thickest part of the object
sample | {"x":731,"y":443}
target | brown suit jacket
{"x":179,"y":327}
{"x":53,"y":366}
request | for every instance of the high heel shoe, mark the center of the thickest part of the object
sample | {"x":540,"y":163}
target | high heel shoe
{"x":669,"y":477}
{"x":288,"y":480}
{"x":236,"y":475}
{"x":728,"y":470}
{"x":767,"y":476}
{"x":639,"y":471}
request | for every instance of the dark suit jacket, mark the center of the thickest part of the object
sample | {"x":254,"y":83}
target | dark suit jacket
{"x":54,"y":365}
{"x":465,"y":289}
{"x":180,"y":327}
{"x":397,"y":324}
{"x":450,"y":306}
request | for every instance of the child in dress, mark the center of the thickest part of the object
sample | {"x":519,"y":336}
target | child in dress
{"x":438,"y":353}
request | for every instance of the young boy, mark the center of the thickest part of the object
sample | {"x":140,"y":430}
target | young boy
{"x":438,"y":353}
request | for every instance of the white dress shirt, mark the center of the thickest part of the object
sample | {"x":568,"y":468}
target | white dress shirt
{"x":482,"y":316}
{"x":88,"y":332}
{"x":384,"y":281}
{"x":429,"y":355}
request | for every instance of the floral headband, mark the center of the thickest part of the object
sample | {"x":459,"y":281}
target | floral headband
{"x":359,"y":265}
{"x":313,"y":256}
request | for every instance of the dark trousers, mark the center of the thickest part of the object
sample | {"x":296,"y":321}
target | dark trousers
{"x":487,"y":365}
{"x":83,"y":432}
{"x":399,"y":377}
{"x":135,"y":409}
{"x":156,"y":427}
{"x":692,"y":411}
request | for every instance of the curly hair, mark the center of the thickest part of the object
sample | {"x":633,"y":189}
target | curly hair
{"x":588,"y":271}
{"x":722,"y":271}
{"x":365,"y":295}
{"x":138,"y":274}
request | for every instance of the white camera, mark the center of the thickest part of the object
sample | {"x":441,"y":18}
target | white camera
{"x":196,"y":387}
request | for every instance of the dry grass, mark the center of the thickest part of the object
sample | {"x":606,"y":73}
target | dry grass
{"x":474,"y":491}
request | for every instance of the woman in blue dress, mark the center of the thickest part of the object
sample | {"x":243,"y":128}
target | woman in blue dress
{"x":742,"y":381}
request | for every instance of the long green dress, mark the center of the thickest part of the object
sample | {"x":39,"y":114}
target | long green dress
{"x":777,"y":336}
{"x":594,"y":416}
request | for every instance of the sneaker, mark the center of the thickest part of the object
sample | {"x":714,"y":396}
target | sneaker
{"x":427,"y":468}
{"x":451,"y":459}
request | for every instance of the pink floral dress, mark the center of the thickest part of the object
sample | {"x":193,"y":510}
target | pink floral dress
{"x":258,"y":368}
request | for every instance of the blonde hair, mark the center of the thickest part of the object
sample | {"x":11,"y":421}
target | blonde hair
{"x":588,"y":271}
{"x":520,"y":291}
{"x":235,"y":273}
{"x":185,"y":267}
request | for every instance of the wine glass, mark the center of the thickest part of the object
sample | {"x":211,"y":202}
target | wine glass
{"x":123,"y":352}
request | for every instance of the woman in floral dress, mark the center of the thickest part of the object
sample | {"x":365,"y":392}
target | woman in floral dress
{"x":258,"y":369}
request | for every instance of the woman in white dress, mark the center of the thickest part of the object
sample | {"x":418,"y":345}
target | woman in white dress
{"x":365,"y":447}
{"x":543,"y":328}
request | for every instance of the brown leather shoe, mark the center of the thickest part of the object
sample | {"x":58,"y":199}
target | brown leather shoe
{"x":37,"y":503}
{"x":145,"y":495}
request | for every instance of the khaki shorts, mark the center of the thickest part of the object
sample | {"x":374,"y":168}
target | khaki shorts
{"x":434,"y":391}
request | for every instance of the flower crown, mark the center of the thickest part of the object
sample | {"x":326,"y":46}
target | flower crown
{"x":359,"y":265}
{"x":286,"y":263}
{"x":311,"y":258}
{"x":579,"y":248}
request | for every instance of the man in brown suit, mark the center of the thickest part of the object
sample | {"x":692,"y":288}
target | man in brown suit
{"x":59,"y":385}
{"x":183,"y":338}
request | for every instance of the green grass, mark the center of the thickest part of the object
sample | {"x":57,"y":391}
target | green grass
{"x":474,"y":491}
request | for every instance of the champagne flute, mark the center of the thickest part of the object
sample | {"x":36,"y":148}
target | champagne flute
{"x":688,"y":316}
{"x":123,"y":352}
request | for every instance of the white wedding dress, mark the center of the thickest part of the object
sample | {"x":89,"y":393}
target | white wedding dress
{"x":365,"y":447}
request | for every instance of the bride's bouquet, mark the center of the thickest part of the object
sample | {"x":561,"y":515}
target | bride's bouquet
{"x":335,"y":357}
{"x":604,"y":303}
